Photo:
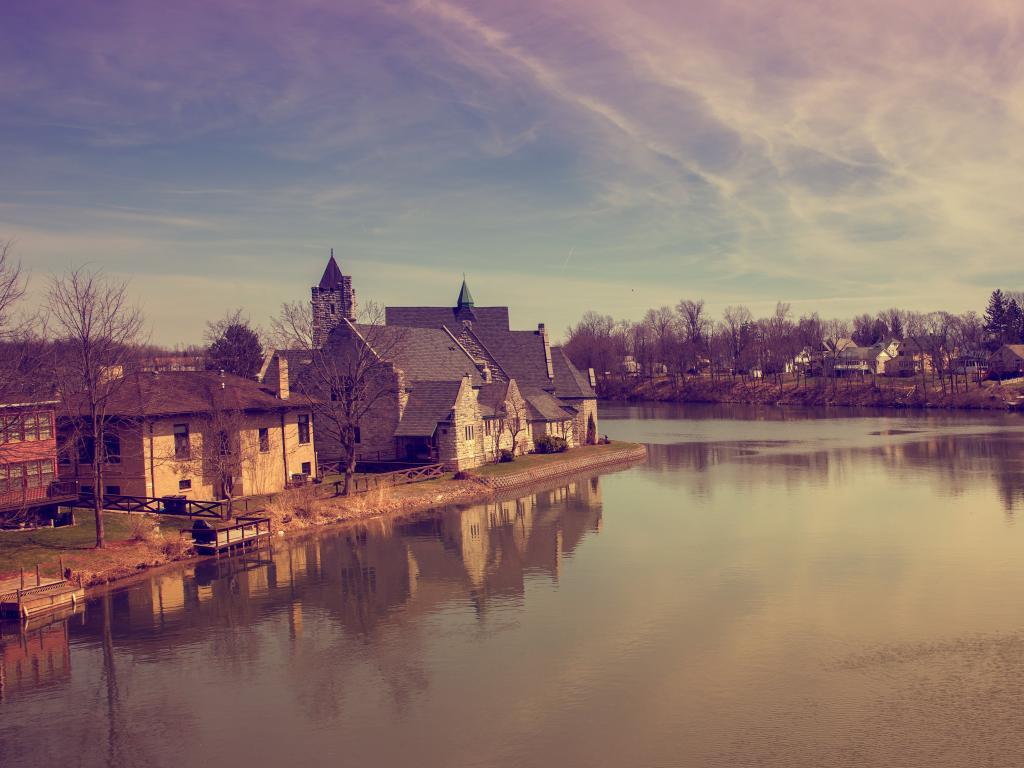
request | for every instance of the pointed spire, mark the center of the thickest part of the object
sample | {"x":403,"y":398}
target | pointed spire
{"x":465,"y":297}
{"x":331,"y":279}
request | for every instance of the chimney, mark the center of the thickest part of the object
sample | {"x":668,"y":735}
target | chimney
{"x":283,"y":389}
{"x":543,"y":332}
{"x":592,"y":377}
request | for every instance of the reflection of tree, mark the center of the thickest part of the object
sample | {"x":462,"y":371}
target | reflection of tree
{"x":959,"y":461}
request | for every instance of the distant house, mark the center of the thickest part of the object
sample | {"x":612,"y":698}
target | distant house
{"x":1007,"y":361}
{"x":28,"y":462}
{"x":193,"y":433}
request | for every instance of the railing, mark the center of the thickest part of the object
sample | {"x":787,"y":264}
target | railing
{"x":364,"y":483}
{"x":62,"y":488}
{"x":247,"y":529}
{"x":157,"y":505}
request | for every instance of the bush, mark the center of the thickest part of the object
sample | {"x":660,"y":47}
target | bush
{"x":505,"y":456}
{"x":551,"y":444}
{"x":462,"y":475}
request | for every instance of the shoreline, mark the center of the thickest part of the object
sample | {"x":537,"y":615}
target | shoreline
{"x":895,"y":394}
{"x":306,"y":514}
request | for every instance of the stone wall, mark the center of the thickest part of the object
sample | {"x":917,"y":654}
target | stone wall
{"x":330,"y":308}
{"x":566,"y":464}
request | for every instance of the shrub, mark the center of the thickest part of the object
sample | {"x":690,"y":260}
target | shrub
{"x":505,"y":456}
{"x":462,"y":475}
{"x":142,"y":528}
{"x":551,"y":444}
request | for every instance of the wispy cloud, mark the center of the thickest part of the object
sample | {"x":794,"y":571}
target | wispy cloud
{"x":832,"y":154}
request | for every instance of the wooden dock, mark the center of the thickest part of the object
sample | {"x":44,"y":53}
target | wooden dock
{"x":247,"y":532}
{"x":47,"y":596}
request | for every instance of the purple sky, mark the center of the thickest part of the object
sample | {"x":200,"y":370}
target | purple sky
{"x":843,"y":156}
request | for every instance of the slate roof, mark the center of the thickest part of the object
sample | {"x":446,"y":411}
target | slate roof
{"x":483,"y":318}
{"x":332,"y":278}
{"x":298,"y":359}
{"x":544,"y":406}
{"x":491,"y":396}
{"x":429,"y":403}
{"x":569,"y":380}
{"x":170,"y":393}
{"x":423,"y":354}
{"x":521,"y":355}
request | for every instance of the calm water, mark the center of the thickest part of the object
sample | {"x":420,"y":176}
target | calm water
{"x":771,"y":589}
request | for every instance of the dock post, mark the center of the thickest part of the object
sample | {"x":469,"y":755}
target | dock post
{"x":38,"y":580}
{"x":22,"y":569}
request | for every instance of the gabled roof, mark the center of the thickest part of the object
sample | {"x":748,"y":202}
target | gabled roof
{"x":297,"y":360}
{"x":544,"y":406}
{"x":429,"y":403}
{"x":569,"y":380}
{"x":491,"y":397}
{"x":1017,"y":349}
{"x":332,"y":277}
{"x":521,"y":355}
{"x":422,"y":354}
{"x":193,"y":392}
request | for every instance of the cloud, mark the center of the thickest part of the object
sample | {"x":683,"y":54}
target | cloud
{"x":850,"y":154}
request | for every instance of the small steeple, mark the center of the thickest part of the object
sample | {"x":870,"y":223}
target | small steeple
{"x":465,"y":297}
{"x":332,"y":277}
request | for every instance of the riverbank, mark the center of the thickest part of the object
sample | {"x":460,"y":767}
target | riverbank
{"x":880,"y":393}
{"x":138,"y":543}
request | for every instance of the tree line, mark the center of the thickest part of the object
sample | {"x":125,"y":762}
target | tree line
{"x":686,"y":340}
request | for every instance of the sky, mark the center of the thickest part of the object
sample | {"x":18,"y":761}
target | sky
{"x":566,"y":155}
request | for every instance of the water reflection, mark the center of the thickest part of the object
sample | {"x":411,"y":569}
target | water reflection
{"x":985,"y":451}
{"x":773,"y":590}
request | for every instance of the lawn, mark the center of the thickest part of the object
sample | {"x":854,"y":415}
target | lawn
{"x":45,"y":546}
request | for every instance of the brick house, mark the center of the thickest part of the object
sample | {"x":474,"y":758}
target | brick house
{"x":28,"y":461}
{"x":192,"y":432}
{"x":462,"y":385}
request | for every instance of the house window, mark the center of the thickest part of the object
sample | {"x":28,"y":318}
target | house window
{"x":45,"y":426}
{"x":112,"y":490}
{"x":304,"y":428}
{"x":185,"y":485}
{"x":487,"y":428}
{"x":224,"y":440}
{"x":12,"y":428}
{"x":33,"y":474}
{"x":357,"y":434}
{"x":332,"y":309}
{"x":31,"y":429}
{"x":264,"y":440}
{"x":469,"y":431}
{"x":307,"y":468}
{"x":182,"y":446}
{"x":111,"y":448}
{"x":86,"y":450}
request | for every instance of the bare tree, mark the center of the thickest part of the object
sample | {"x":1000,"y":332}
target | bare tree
{"x":516,"y":418}
{"x":98,"y":330}
{"x":352,"y":379}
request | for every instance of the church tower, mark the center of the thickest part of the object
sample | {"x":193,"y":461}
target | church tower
{"x":333,"y":301}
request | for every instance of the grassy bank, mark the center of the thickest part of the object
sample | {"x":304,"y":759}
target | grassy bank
{"x":131,"y":539}
{"x":139,"y":541}
{"x":852,"y":392}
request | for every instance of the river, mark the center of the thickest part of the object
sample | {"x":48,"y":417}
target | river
{"x":772,"y":588}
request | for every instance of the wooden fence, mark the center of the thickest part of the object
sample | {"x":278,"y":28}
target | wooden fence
{"x":159,"y":505}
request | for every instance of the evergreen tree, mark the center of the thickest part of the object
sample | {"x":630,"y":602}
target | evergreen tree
{"x":237,"y":350}
{"x":1014,"y":322}
{"x":995,"y":318}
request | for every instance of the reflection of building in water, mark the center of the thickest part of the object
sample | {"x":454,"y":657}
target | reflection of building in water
{"x":34,"y":658}
{"x":364,"y":575}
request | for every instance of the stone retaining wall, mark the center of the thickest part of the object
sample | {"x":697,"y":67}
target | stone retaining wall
{"x":571,"y":467}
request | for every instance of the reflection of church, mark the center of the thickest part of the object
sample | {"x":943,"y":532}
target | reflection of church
{"x":363,"y":574}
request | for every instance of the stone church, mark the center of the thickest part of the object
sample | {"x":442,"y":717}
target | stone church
{"x":454,"y":385}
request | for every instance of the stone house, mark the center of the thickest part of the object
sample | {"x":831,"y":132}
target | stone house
{"x":455,"y":385}
{"x":199,"y":434}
